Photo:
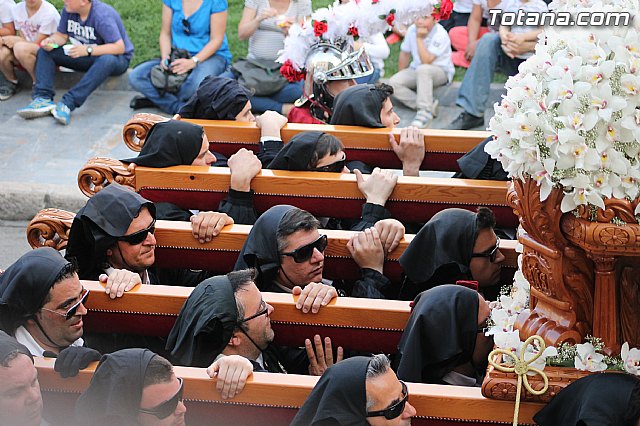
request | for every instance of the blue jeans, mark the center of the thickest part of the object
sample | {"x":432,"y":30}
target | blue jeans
{"x":287,"y":95}
{"x":476,"y":85}
{"x":96,"y":70}
{"x":140,"y":80}
{"x":371,"y":78}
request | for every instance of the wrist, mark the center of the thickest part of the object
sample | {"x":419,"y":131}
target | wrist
{"x":242,"y":184}
{"x":411,"y":171}
{"x":376,"y":200}
{"x":270,"y":132}
{"x":195,"y":60}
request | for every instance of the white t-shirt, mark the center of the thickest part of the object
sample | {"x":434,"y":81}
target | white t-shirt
{"x":485,"y":8}
{"x":44,"y":21}
{"x":462,"y":6}
{"x":5,"y":11}
{"x":378,"y":50}
{"x":437,"y":43}
{"x":24,"y":337}
{"x":513,"y":6}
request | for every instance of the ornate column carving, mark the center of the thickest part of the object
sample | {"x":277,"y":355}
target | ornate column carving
{"x":101,"y":171}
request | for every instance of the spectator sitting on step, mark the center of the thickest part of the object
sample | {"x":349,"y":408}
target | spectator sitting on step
{"x":198,"y":27}
{"x":424,"y":64}
{"x":464,"y":39}
{"x":99,"y":47}
{"x":370,"y":105}
{"x":34,"y":20}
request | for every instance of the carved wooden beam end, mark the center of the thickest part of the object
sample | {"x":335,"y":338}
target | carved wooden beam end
{"x":100,"y":172}
{"x":135,"y":131}
{"x":50,"y":228}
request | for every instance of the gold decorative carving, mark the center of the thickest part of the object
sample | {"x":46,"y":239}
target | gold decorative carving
{"x":101,"y":171}
{"x":50,"y":228}
{"x":136,"y":129}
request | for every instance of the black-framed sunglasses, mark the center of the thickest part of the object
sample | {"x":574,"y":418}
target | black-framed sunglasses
{"x":396,"y":409}
{"x":186,"y":27}
{"x":73,"y":309}
{"x":304,"y":253}
{"x":491,"y":254}
{"x":336,"y":167}
{"x":139,"y":236}
{"x":167,"y":408}
{"x":264,"y":309}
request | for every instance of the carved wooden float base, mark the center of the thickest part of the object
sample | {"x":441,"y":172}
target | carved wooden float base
{"x":500,"y":385}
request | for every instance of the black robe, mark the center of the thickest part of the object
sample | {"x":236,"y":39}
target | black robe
{"x":477,"y":164}
{"x":359,"y":105}
{"x":339,"y":398}
{"x":114,"y":394}
{"x":600,"y":399}
{"x":9,"y":346}
{"x":260,"y":251}
{"x":440,"y":334}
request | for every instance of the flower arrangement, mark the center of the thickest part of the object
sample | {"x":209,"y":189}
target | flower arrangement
{"x":351,"y":22}
{"x":571,"y":117}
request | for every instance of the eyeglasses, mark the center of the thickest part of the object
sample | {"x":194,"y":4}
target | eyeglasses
{"x":336,"y":167}
{"x":304,"y":253}
{"x":396,"y":409}
{"x":72,"y":310}
{"x":492,"y":254}
{"x":138,"y":237}
{"x":264,"y":309}
{"x":165,"y":409}
{"x":186,"y":27}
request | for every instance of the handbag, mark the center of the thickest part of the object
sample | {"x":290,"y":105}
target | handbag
{"x":262,"y":77}
{"x":166,"y":81}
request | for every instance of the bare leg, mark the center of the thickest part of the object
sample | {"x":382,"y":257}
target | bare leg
{"x":6,"y":63}
{"x":26,"y":53}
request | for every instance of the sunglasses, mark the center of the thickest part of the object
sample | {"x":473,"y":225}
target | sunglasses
{"x":186,"y":27}
{"x":263,"y":311}
{"x":336,"y":167}
{"x":304,"y":253}
{"x":138,"y":237}
{"x":396,"y":409}
{"x":167,"y":408}
{"x":72,"y":310}
{"x":491,"y":254}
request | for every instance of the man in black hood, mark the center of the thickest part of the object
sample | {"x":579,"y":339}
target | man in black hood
{"x":42,"y":305}
{"x":112,"y":239}
{"x":359,"y":391}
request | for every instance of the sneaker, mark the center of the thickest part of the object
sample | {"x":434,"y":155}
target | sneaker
{"x":38,"y":107}
{"x":466,"y":121}
{"x":422,"y":119}
{"x":138,"y":102}
{"x":8,"y":90}
{"x":62,"y":113}
{"x":434,"y":107}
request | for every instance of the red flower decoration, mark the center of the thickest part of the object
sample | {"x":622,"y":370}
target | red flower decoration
{"x":443,"y":10}
{"x":375,"y":1}
{"x":319,"y":28}
{"x":390,"y":18}
{"x":353,"y":31}
{"x":290,"y":73}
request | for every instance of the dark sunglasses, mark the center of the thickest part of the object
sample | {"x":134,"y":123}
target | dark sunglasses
{"x":263,"y":311}
{"x":138,"y":237}
{"x":167,"y":408}
{"x":72,"y":310}
{"x":396,"y":409}
{"x":492,"y":254}
{"x":336,"y":167}
{"x":186,"y":26}
{"x":304,"y":253}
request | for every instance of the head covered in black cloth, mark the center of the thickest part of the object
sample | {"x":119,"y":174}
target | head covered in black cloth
{"x":440,"y":334}
{"x":9,"y":347}
{"x":114,"y":394}
{"x":260,"y":249}
{"x":99,"y":224}
{"x":170,"y":143}
{"x":448,"y":238}
{"x":25,"y":285}
{"x":359,"y":105}
{"x":298,"y":153}
{"x":205,"y":324}
{"x":600,"y":399}
{"x":339,"y":398}
{"x":217,"y":98}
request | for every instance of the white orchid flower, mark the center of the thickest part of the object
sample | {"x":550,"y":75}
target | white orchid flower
{"x":587,"y":359}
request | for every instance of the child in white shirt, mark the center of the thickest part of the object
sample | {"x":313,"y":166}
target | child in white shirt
{"x":424,"y":63}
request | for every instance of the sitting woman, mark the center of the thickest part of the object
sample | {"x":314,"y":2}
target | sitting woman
{"x":266,"y":24}
{"x":370,"y":105}
{"x":193,"y":25}
{"x":600,"y":399}
{"x":178,"y":143}
{"x":444,"y":340}
{"x":454,"y":245}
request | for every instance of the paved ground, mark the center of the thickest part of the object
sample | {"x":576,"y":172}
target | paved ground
{"x":39,"y":159}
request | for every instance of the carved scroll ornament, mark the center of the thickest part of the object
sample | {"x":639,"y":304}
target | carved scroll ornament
{"x":50,"y":228}
{"x":136,"y":129}
{"x":101,"y":171}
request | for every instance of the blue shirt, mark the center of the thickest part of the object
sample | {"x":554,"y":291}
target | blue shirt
{"x":103,"y":26}
{"x":199,"y":27}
